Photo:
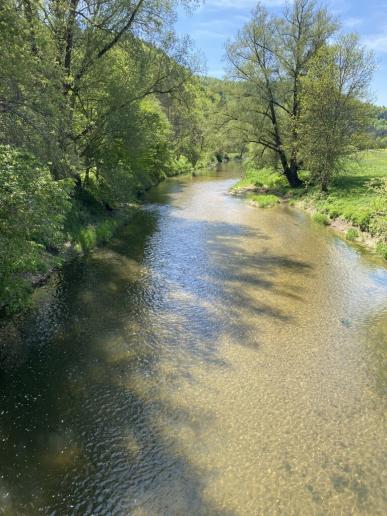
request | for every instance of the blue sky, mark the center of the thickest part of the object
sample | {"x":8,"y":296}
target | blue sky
{"x":215,"y":21}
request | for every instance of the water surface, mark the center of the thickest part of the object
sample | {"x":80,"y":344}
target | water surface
{"x":215,"y":359}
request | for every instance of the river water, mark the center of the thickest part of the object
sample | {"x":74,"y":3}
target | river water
{"x":214,"y":359}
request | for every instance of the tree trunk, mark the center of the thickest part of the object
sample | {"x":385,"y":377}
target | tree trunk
{"x":324,"y":185}
{"x":290,"y":171}
{"x":292,"y":175}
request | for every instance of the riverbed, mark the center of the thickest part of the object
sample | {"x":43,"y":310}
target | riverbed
{"x":213,"y":359}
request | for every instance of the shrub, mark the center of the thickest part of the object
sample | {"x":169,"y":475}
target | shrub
{"x":381,"y":249}
{"x":32,"y":212}
{"x":263,"y":177}
{"x":361,"y":218}
{"x":87,"y":239}
{"x":352,"y":234}
{"x":179,"y":167}
{"x":264,"y":201}
{"x":321,"y":218}
{"x":105,"y":231}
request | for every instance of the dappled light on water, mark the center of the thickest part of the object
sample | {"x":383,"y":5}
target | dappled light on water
{"x":215,"y":359}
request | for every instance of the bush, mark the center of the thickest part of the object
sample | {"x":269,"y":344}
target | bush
{"x":321,"y":218}
{"x":87,"y":239}
{"x":263,"y":177}
{"x":264,"y":201}
{"x":179,"y":167}
{"x":105,"y":231}
{"x":32,"y":212}
{"x":381,"y":249}
{"x":352,"y":234}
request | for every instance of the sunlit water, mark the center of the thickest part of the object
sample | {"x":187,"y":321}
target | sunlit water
{"x":215,"y":359}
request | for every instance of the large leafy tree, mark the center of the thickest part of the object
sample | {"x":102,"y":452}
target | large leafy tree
{"x":270,"y":55}
{"x":60,"y":49}
{"x":335,"y":116}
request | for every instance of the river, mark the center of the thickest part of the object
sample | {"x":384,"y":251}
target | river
{"x":214,"y":359}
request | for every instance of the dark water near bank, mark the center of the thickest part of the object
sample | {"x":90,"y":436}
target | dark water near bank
{"x":215,"y":359}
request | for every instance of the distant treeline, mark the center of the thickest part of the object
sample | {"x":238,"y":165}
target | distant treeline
{"x":378,"y":130}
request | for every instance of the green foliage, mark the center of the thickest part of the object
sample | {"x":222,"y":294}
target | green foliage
{"x":358,"y":196}
{"x":378,"y":128}
{"x":378,"y":222}
{"x":352,"y":234}
{"x":91,"y":236}
{"x":135,"y":154}
{"x":333,"y":119}
{"x":88,"y":224}
{"x":260,"y":178}
{"x":32,"y":212}
{"x":269,"y":56}
{"x":321,"y":218}
{"x":105,"y":231}
{"x":381,"y":249}
{"x":264,"y":201}
{"x":87,"y":239}
{"x":90,"y":100}
{"x":179,"y":167}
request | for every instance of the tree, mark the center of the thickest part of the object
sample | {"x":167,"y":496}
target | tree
{"x":30,"y":90}
{"x":334,"y":115}
{"x":55,"y":52}
{"x":271,"y":54}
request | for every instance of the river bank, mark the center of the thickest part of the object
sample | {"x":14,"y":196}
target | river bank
{"x":352,"y":207}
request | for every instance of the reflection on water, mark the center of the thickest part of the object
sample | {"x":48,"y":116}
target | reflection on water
{"x":215,"y":359}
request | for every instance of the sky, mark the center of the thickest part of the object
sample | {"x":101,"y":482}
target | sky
{"x":215,"y":21}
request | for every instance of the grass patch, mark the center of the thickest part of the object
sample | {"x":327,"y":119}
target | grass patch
{"x":262,"y":178}
{"x":91,"y":236}
{"x":264,"y":201}
{"x":350,"y":198}
{"x":352,"y":234}
{"x":381,"y":249}
{"x":321,"y":218}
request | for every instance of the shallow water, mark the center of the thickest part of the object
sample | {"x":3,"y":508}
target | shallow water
{"x":214,"y":359}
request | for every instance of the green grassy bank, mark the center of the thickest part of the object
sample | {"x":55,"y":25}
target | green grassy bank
{"x":351,"y":205}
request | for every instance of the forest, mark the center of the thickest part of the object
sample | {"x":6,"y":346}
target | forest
{"x":100,"y":100}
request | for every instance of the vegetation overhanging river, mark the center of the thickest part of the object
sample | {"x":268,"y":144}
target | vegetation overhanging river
{"x":213,"y":359}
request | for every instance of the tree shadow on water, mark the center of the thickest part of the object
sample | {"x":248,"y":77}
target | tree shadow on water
{"x":229,"y":275}
{"x":89,"y":423}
